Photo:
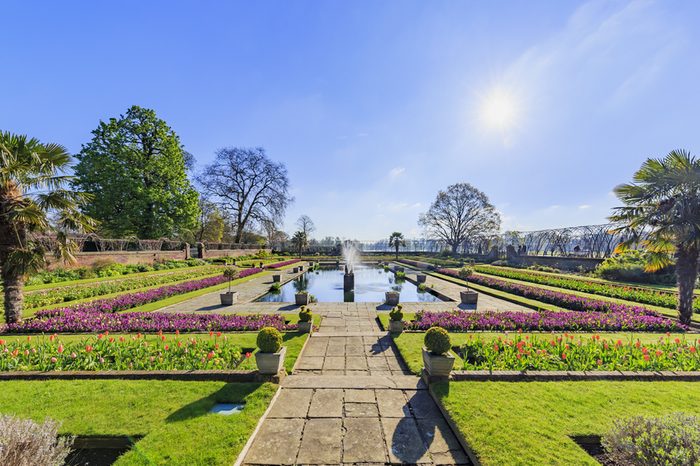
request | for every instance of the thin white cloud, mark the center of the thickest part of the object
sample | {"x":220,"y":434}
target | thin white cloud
{"x":584,"y":206}
{"x":396,"y":172}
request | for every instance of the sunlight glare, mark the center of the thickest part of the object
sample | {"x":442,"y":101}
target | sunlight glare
{"x":498,"y":110}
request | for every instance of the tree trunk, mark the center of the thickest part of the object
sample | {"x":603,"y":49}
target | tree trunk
{"x":687,"y":273}
{"x":397,"y":253}
{"x":14,"y":297}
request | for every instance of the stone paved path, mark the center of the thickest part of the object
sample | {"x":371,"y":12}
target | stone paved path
{"x":451,"y":290}
{"x":351,"y":401}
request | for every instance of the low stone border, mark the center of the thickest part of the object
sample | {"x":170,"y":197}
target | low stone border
{"x":455,"y":430}
{"x":194,"y":376}
{"x":545,"y":376}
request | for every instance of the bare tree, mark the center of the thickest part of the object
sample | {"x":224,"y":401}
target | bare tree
{"x":247,"y":185}
{"x":459,"y":213}
{"x":306,"y":225}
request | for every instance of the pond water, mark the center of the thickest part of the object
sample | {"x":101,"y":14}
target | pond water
{"x":371,"y":283}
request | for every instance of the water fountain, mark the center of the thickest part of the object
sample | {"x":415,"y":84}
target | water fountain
{"x":351,"y":256}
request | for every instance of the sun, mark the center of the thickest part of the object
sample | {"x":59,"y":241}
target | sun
{"x":498,"y":110}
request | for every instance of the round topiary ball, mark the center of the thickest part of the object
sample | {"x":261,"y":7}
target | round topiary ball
{"x":231,"y":273}
{"x":269,"y":340}
{"x":437,"y":340}
{"x":305,"y":314}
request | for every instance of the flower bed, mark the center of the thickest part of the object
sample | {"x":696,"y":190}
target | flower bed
{"x":86,"y":321}
{"x":565,"y":300}
{"x":131,"y":300}
{"x":277,"y":265}
{"x":629,"y":293}
{"x":462,"y":321}
{"x":562,"y":353}
{"x":40,"y":298}
{"x":134,"y":352}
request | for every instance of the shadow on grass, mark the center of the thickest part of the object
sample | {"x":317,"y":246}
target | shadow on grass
{"x":229,"y":393}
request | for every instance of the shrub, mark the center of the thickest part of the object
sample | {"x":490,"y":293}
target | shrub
{"x":543,"y":268}
{"x":630,"y":266}
{"x":305,"y":314}
{"x":396,"y":314}
{"x":422,"y":287}
{"x":466,"y":272}
{"x":23,"y":442}
{"x":400,"y":275}
{"x":269,"y":340}
{"x":672,"y":439}
{"x":500,"y":263}
{"x":437,"y":340}
{"x":275,"y":287}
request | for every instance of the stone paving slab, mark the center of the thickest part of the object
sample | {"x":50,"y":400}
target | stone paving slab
{"x":363,"y":442}
{"x":277,"y":442}
{"x":321,"y":442}
{"x":407,"y":382}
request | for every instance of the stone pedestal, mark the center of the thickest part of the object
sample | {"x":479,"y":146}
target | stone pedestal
{"x":468,"y":297}
{"x":437,"y":366}
{"x":391,"y":298}
{"x":348,"y":282}
{"x":270,"y":363}
{"x":228,"y":298}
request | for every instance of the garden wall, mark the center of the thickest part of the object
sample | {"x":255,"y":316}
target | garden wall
{"x":86,"y":259}
{"x":562,"y":263}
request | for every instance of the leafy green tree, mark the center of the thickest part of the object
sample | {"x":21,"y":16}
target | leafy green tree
{"x":211,"y":223}
{"x":300,"y":241}
{"x":662,"y":213}
{"x":136,"y":168}
{"x":396,"y":240}
{"x":32,"y":189}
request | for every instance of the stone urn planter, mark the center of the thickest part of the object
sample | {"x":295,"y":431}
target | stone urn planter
{"x":391,"y":298}
{"x":228,"y":298}
{"x":277,"y":278}
{"x":301,"y":268}
{"x":305,"y":327}
{"x":437,"y":361}
{"x":399,"y":269}
{"x":421,"y":277}
{"x":270,"y":354}
{"x":468,"y":297}
{"x":301,"y":299}
{"x":437,"y":366}
{"x":295,"y":270}
{"x":395,"y":326}
{"x":305,"y":320}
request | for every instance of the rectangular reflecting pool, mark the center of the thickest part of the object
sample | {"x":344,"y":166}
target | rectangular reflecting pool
{"x":326,"y":285}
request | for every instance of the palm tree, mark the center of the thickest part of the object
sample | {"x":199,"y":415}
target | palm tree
{"x":662,"y":213}
{"x":396,"y":240}
{"x":300,"y":241}
{"x":32,"y":188}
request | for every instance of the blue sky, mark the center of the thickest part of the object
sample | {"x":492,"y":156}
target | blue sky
{"x":376,"y":105}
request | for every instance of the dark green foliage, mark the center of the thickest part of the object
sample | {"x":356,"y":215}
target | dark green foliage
{"x":269,"y":340}
{"x":396,"y":314}
{"x":672,"y":439}
{"x":437,"y":340}
{"x":135,"y":166}
{"x":630,"y":266}
{"x":305,"y":314}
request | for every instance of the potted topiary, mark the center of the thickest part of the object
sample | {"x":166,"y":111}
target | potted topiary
{"x":391,"y":298}
{"x":270,"y":355}
{"x":437,"y":362}
{"x":305,"y":320}
{"x":228,"y":298}
{"x":302,"y":298}
{"x":467,"y":296}
{"x":396,"y":320}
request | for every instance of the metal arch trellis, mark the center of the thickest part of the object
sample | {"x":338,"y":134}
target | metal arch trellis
{"x":585,"y":241}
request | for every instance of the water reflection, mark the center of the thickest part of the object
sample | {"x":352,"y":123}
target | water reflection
{"x":326,"y":285}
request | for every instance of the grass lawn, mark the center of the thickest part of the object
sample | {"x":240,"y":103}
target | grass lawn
{"x":524,"y":423}
{"x":410,"y":344}
{"x":246,"y":340}
{"x":173,"y":416}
